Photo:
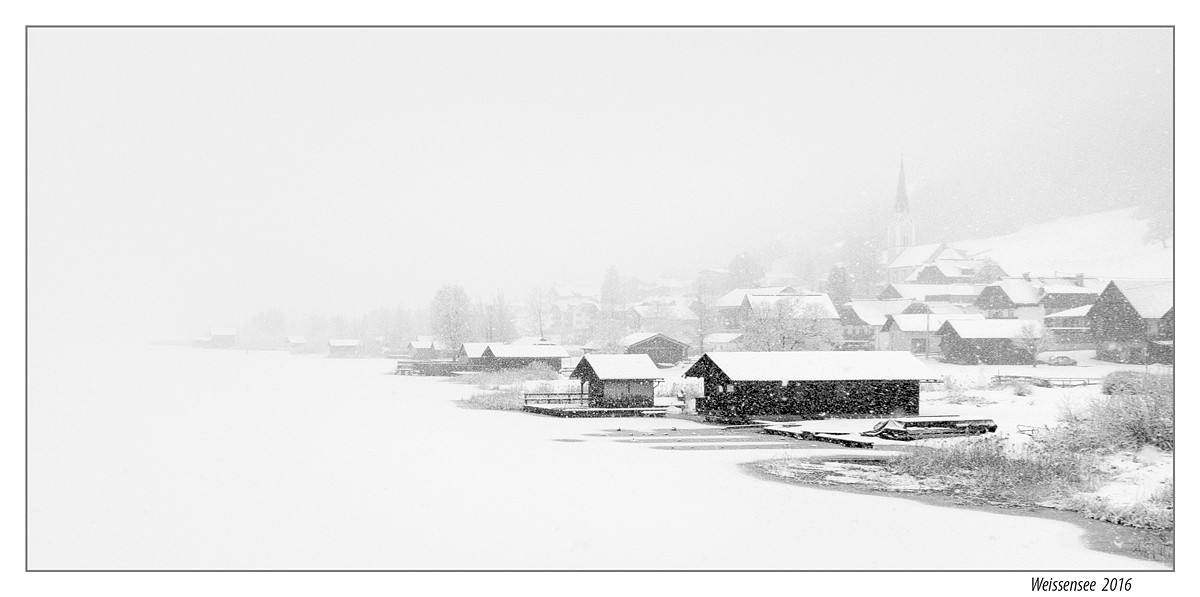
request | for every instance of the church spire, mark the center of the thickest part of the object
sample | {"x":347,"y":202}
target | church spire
{"x":901,"y":191}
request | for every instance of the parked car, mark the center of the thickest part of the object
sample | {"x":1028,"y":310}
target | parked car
{"x":1062,"y":361}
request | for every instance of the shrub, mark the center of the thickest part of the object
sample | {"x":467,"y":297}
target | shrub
{"x":1146,"y":514}
{"x":989,"y":467}
{"x":1138,"y":382}
{"x":1121,"y":421}
{"x":506,"y":399}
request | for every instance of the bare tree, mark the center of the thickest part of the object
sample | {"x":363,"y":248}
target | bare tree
{"x":783,"y":327}
{"x":1032,"y":340}
{"x":538,"y":304}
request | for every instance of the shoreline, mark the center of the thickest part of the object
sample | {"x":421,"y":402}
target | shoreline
{"x":1106,"y":537}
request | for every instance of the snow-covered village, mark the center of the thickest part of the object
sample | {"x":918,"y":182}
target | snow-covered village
{"x":419,"y":306}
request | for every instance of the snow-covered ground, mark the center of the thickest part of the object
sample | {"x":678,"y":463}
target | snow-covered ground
{"x":169,"y":457}
{"x":1108,"y":244}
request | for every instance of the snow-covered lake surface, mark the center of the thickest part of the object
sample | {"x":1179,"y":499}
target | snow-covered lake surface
{"x":178,"y":458}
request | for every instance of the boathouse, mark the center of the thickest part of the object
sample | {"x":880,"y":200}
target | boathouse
{"x":618,"y":380}
{"x":517,"y":356}
{"x":810,"y":384}
{"x":346,"y":347}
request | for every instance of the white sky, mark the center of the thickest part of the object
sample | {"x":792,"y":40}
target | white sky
{"x":180,"y":178}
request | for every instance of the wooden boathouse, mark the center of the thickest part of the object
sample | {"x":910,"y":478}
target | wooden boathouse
{"x":810,"y":384}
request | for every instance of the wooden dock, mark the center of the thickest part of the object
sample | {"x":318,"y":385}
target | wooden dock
{"x":583,"y":411}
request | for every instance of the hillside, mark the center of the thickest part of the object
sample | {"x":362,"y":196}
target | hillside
{"x":1107,"y":244}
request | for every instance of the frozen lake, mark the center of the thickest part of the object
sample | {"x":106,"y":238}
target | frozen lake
{"x":179,"y":458}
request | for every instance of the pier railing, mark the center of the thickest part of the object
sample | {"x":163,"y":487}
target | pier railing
{"x":557,"y":398}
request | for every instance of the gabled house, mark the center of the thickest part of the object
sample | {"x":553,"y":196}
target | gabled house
{"x":723,"y":342}
{"x":676,"y":320}
{"x":1133,"y":321}
{"x":958,"y":294}
{"x":660,"y":348}
{"x":729,"y":306}
{"x":862,"y":321}
{"x":221,"y":337}
{"x":618,"y":380}
{"x":916,"y":332}
{"x":1069,"y":329}
{"x":471,"y":354}
{"x":911,"y":259}
{"x":345,"y":347}
{"x":811,"y":384}
{"x":517,"y":356}
{"x":988,"y":341}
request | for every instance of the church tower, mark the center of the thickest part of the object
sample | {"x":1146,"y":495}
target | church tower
{"x":902,"y":233}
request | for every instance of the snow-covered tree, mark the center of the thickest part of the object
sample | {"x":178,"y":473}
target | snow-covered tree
{"x":1032,"y":341}
{"x":783,"y":327}
{"x":450,"y":311}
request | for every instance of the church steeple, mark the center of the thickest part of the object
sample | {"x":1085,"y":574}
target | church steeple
{"x":902,"y":233}
{"x":901,"y":190}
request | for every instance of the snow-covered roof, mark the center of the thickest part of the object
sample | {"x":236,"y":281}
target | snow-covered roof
{"x":295,"y":339}
{"x":734,"y":297}
{"x":918,"y":322}
{"x":619,"y":366}
{"x":798,"y":302}
{"x":420,"y":344}
{"x":722,"y":337}
{"x":525,"y":340}
{"x":201,"y":338}
{"x":1075,"y":312}
{"x":1068,"y":289}
{"x":991,"y":328}
{"x":825,"y":365}
{"x":344,"y":342}
{"x":918,"y":255}
{"x":920,"y":291}
{"x":1019,"y":291}
{"x":576,"y":290}
{"x":665,"y":312}
{"x":222,"y":331}
{"x":639,"y":337}
{"x":1151,"y":299}
{"x":527,"y":351}
{"x":473,"y":350}
{"x":875,"y":312}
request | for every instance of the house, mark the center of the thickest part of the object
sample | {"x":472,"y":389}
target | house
{"x":471,"y":353}
{"x":677,"y":320}
{"x":959,"y":294}
{"x":723,"y":342}
{"x":295,"y":343}
{"x":862,"y":320}
{"x":202,"y":342}
{"x":812,"y":384}
{"x":947,"y":271}
{"x":576,"y":292}
{"x":1069,"y":329}
{"x":916,"y":332}
{"x":349,"y":347}
{"x":517,"y":356}
{"x":989,"y":341}
{"x":1133,"y":321}
{"x":660,"y":348}
{"x":1032,"y":298}
{"x":618,"y":380}
{"x":938,"y":308}
{"x":817,"y":306}
{"x":221,"y":337}
{"x":910,"y":259}
{"x":729,"y":306}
